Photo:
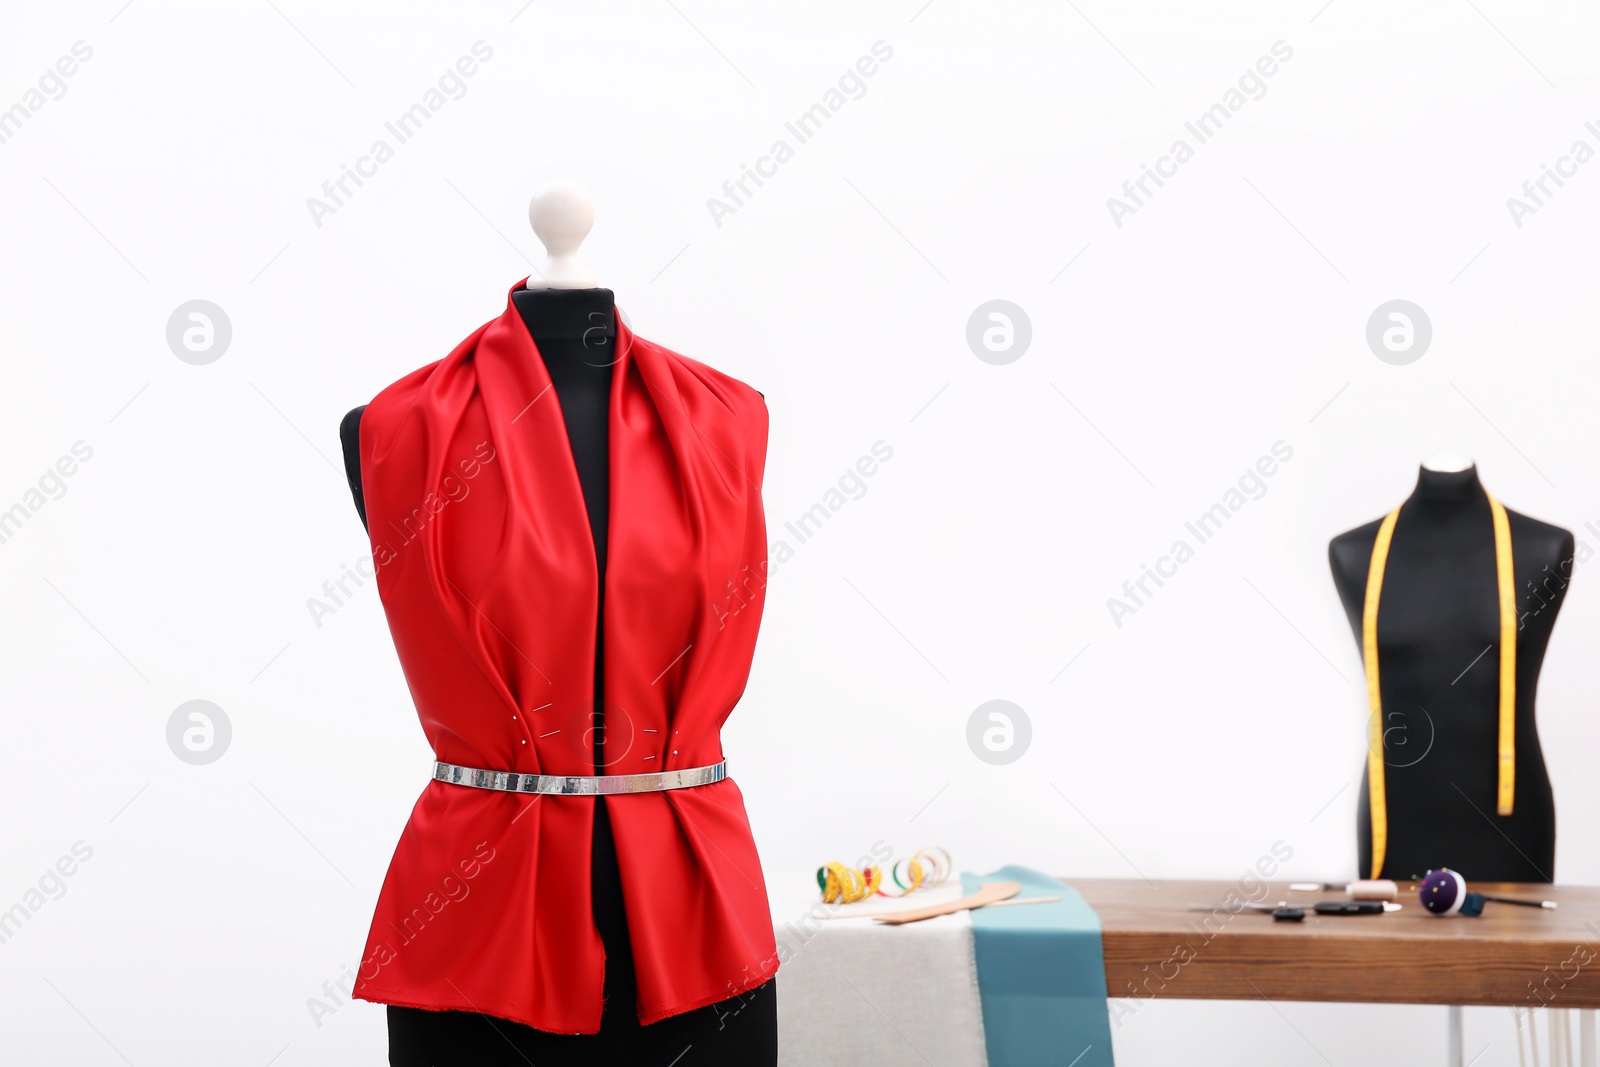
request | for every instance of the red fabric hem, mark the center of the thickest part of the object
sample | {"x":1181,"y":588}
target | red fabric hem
{"x":478,"y":1007}
{"x":510,"y":1012}
{"x":679,"y":1009}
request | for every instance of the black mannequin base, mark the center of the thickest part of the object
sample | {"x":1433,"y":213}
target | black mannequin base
{"x":741,"y":1030}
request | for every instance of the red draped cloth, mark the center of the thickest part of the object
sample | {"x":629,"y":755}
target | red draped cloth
{"x":487,"y":572}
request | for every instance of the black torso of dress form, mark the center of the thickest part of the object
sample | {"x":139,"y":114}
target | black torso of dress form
{"x":1439,"y":679}
{"x":575,"y":333}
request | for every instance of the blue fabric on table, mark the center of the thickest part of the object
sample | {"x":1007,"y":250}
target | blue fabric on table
{"x":1041,"y":976}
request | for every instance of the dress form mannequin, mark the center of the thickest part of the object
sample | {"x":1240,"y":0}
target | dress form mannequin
{"x":1438,"y":641}
{"x":573,"y":324}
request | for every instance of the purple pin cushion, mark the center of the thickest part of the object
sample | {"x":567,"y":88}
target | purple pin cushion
{"x":1444,"y":892}
{"x":1441,"y":891}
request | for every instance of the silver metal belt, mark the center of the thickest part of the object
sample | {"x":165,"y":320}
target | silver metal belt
{"x":570,"y":785}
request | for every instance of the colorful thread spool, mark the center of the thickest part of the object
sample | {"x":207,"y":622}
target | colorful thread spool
{"x":1373,"y":889}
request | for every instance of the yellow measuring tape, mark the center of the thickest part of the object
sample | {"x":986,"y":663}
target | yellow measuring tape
{"x":846,"y":885}
{"x":927,"y":867}
{"x":1508,"y":675}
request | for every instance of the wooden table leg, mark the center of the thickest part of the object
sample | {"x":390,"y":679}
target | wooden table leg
{"x":1453,"y":1057}
{"x":1586,"y":1045}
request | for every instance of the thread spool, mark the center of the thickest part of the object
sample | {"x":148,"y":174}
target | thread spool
{"x":1384,"y":889}
{"x":1381,"y":889}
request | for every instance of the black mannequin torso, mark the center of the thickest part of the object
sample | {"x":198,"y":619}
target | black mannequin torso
{"x":575,"y":333}
{"x":1438,"y":655}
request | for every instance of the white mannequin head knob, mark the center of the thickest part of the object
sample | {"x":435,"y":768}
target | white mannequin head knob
{"x":1448,"y":462}
{"x":562,"y":214}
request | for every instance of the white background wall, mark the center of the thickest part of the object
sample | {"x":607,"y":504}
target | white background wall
{"x":1167,"y":355}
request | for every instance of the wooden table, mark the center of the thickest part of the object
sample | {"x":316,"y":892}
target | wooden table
{"x":1155,"y":946}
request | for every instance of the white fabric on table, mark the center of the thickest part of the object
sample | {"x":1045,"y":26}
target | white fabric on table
{"x":853,"y":991}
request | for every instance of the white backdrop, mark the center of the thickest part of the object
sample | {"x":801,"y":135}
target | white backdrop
{"x":1226,"y":313}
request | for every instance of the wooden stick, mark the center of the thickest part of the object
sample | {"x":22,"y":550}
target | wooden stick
{"x":1024,"y":900}
{"x":995,"y":904}
{"x":989,"y":894}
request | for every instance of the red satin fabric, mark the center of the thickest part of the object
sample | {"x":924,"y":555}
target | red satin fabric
{"x":487,"y":572}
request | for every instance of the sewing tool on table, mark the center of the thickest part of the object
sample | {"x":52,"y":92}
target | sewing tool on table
{"x":1444,"y":892}
{"x":1281,"y":911}
{"x":989,"y":893}
{"x":925,"y":867}
{"x":1284,"y":912}
{"x":1008,"y":903}
{"x":1361,"y":889}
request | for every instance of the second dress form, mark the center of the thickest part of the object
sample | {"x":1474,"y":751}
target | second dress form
{"x":1438,"y":668}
